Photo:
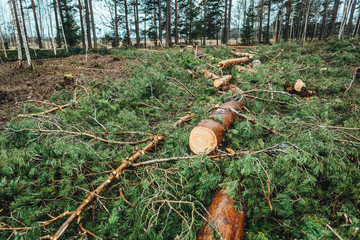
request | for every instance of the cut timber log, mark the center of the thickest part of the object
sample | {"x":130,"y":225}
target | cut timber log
{"x":241,"y":54}
{"x":228,"y":222}
{"x":209,"y":74}
{"x":242,"y":68}
{"x":234,"y":61}
{"x":209,"y":133}
{"x":299,"y":88}
{"x":222,"y":81}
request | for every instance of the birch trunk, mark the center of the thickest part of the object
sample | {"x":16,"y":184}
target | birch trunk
{"x":85,"y":37}
{"x":26,"y":47}
{"x":2,"y":43}
{"x":87,"y":22}
{"x":93,"y":24}
{"x":356,"y":30}
{"x":58,"y":40}
{"x":17,"y":36}
{"x":62,"y":26}
{"x":306,"y":20}
{"x":347,"y":6}
{"x":350,"y":23}
{"x":33,"y":43}
{"x":36,"y":24}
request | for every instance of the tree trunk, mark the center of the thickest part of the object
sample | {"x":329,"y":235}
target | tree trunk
{"x":17,"y":35}
{"x":160,"y":30}
{"x":168,"y":28}
{"x":3,"y":44}
{"x":357,"y":26}
{"x":268,"y":22}
{"x":17,"y":23}
{"x":209,"y":133}
{"x":155,"y":26}
{"x":145,"y":31}
{"x":87,"y":22}
{"x":26,"y":47}
{"x":204,"y":28}
{"x":42,"y":34}
{"x":306,"y":20}
{"x":333,"y":18}
{"x":191,"y":19}
{"x":287,"y":20}
{"x":93,"y":24}
{"x":136,"y":16}
{"x":85,"y":32}
{"x":300,"y":21}
{"x":260,"y":20}
{"x":224,"y":36}
{"x":23,"y":17}
{"x":36,"y":24}
{"x":128,"y":39}
{"x":58,"y":40}
{"x":323,"y":29}
{"x":62,"y":26}
{"x":116,"y":26}
{"x":224,"y":217}
{"x":82,"y":23}
{"x":28,"y":15}
{"x":350,"y":23}
{"x":314,"y":32}
{"x":176,"y":22}
{"x":229,"y":21}
{"x":346,"y":10}
{"x":51,"y":28}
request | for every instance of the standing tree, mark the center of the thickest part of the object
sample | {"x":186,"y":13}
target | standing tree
{"x":306,"y":20}
{"x":350,"y":23}
{"x":3,"y":43}
{"x":323,"y":30}
{"x":160,"y":30}
{"x":128,"y":40}
{"x":357,"y":26}
{"x":93,"y":24}
{"x":168,"y":24}
{"x":176,"y":23}
{"x":136,"y":18}
{"x":36,"y":24}
{"x":247,"y":34}
{"x":116,"y":30}
{"x":261,"y":11}
{"x":87,"y":22}
{"x":224,"y":35}
{"x":17,"y":35}
{"x":213,"y":19}
{"x":288,"y":5}
{"x":333,"y":18}
{"x":82,"y":24}
{"x":26,"y":47}
{"x":23,"y":17}
{"x":229,"y":21}
{"x":51,"y":28}
{"x":204,"y":28}
{"x":58,"y":39}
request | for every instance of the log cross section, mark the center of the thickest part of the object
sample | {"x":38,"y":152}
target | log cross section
{"x":209,"y":133}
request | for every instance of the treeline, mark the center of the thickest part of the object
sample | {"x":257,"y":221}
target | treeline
{"x":247,"y":21}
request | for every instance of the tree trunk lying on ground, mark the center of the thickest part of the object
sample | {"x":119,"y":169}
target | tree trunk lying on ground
{"x":241,"y":54}
{"x":209,"y":133}
{"x":228,"y":222}
{"x":218,"y":81}
{"x":234,"y":61}
{"x":299,"y":88}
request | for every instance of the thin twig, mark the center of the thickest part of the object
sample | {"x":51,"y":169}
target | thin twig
{"x":333,"y":231}
{"x":182,"y":85}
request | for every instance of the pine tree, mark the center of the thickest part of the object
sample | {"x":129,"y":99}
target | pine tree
{"x":247,"y":35}
{"x":71,"y":29}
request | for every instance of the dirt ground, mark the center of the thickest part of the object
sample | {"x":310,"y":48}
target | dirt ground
{"x":21,"y":85}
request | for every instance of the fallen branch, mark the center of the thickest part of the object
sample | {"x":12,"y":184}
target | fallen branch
{"x":263,"y":99}
{"x":183,"y":119}
{"x":349,"y":135}
{"x":94,"y":137}
{"x":326,"y":126}
{"x":269,"y":91}
{"x":333,"y":231}
{"x":114,"y":174}
{"x":182,"y":85}
{"x":347,"y":141}
{"x":49,"y":111}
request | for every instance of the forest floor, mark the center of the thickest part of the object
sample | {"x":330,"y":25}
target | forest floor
{"x":300,"y":182}
{"x":21,"y":85}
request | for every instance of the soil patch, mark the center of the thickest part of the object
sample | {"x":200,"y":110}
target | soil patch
{"x":20,"y":85}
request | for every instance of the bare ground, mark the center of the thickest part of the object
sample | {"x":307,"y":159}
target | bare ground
{"x":21,"y":85}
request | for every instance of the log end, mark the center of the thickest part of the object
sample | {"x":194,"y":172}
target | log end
{"x":202,"y":140}
{"x":299,"y":85}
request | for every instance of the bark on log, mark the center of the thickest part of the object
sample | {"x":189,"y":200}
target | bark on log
{"x":241,"y":54}
{"x":242,"y":68}
{"x":209,"y":74}
{"x":223,"y":216}
{"x":209,"y":133}
{"x":234,"y":61}
{"x":223,"y":81}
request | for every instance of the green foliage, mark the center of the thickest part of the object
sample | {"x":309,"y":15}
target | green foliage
{"x":247,"y":34}
{"x":303,"y":181}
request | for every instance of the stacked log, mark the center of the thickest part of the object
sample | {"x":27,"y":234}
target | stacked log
{"x":225,"y":218}
{"x":209,"y":133}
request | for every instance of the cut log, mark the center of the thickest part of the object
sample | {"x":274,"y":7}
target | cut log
{"x":209,"y":74}
{"x":299,"y":85}
{"x":234,"y":61}
{"x":243,"y":47}
{"x":209,"y":133}
{"x":242,"y":68}
{"x":241,"y":54}
{"x":227,"y":221}
{"x":222,"y":81}
{"x":299,"y":88}
{"x":233,"y":88}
